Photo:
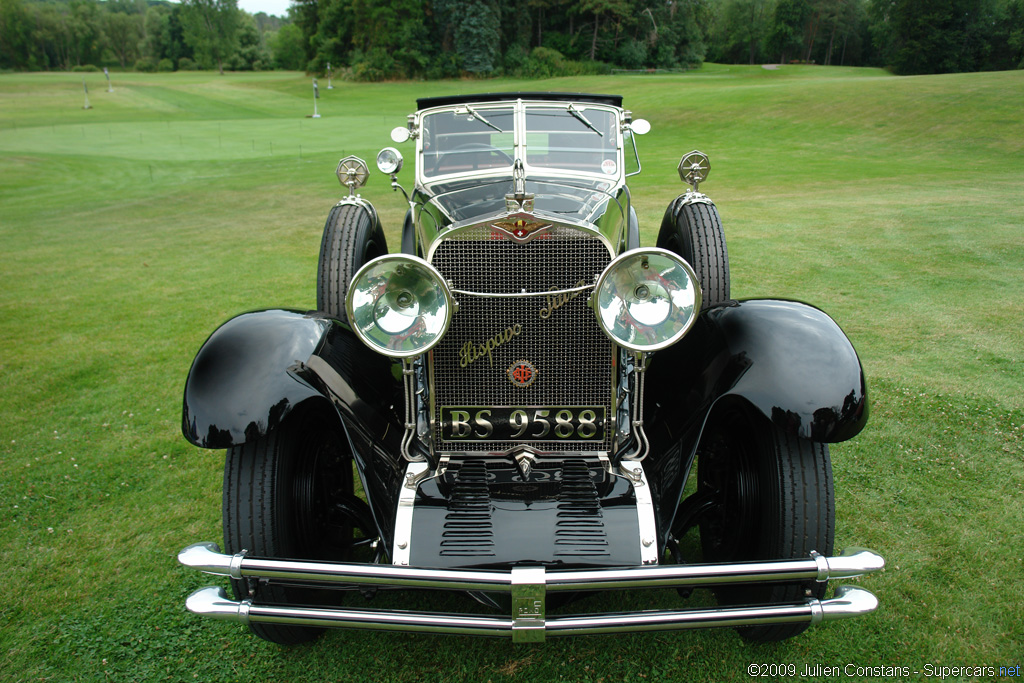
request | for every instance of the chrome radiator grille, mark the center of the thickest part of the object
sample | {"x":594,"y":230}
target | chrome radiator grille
{"x":571,"y":357}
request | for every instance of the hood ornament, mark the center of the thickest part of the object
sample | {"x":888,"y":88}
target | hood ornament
{"x":519,"y":200}
{"x":525,"y":459}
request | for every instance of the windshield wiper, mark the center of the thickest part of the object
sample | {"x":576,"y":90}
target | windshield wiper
{"x":583,"y":119}
{"x":476,"y":115}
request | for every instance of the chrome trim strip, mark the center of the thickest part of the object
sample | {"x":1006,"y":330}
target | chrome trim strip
{"x":414,"y":473}
{"x":648,"y":530}
{"x":854,"y":562}
{"x":693,"y":197}
{"x":849,"y":601}
{"x":553,"y":292}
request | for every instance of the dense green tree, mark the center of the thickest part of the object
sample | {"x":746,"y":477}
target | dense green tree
{"x":252,"y":54}
{"x":378,"y":39}
{"x":87,"y":39}
{"x":740,"y":31}
{"x":785,"y":37}
{"x":156,"y":33}
{"x":478,"y":36}
{"x":16,"y":34}
{"x":287,"y":47}
{"x":123,"y":31}
{"x":211,"y":29}
{"x":602,"y":10}
{"x":935,"y":36}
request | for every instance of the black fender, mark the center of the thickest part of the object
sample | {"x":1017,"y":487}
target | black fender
{"x":239,"y":387}
{"x":788,"y":360}
{"x":260,"y":367}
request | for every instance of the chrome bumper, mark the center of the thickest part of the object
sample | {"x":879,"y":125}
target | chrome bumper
{"x":528,"y":587}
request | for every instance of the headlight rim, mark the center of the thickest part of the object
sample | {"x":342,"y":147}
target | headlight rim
{"x":438,"y":279}
{"x":678,"y":335}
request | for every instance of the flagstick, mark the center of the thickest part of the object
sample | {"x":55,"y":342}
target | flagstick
{"x":316,"y":96}
{"x":86,"y":89}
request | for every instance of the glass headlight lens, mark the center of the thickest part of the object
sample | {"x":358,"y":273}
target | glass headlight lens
{"x":399,"y":305}
{"x":647,"y":299}
{"x":389,"y":161}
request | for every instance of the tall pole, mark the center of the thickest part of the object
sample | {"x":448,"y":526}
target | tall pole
{"x":316,"y":96}
{"x":329,"y":86}
{"x":106,"y":73}
{"x":86,"y":89}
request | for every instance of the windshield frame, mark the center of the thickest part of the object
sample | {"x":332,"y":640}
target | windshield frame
{"x":609,"y":141}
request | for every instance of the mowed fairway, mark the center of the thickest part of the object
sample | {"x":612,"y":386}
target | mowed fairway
{"x":129,"y":231}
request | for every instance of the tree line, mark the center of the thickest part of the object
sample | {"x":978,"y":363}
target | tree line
{"x":399,"y":39}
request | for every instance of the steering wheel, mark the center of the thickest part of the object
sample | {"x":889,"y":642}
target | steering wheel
{"x":476,"y":153}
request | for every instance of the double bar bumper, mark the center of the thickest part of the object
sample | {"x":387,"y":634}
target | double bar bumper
{"x":528,"y":587}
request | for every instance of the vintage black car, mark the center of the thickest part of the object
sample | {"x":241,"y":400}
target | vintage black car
{"x":525,"y":405}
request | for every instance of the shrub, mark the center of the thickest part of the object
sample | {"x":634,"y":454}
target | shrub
{"x":85,"y":67}
{"x":165,"y":65}
{"x":515,"y":59}
{"x":186,"y":64}
{"x":146,"y":64}
{"x":632,"y":54}
{"x":375,"y":65}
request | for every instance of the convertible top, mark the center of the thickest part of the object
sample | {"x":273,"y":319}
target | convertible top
{"x":448,"y":100}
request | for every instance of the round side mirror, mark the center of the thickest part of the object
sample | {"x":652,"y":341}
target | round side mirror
{"x":640,"y":127}
{"x":400,"y":134}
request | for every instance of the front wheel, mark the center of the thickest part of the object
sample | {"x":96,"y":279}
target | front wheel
{"x":693,"y":230}
{"x":352,"y":236}
{"x":285,"y":496}
{"x":771,"y":498}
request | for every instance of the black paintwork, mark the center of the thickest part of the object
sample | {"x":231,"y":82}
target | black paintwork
{"x":449,"y":100}
{"x":485,"y":514}
{"x":240,"y":386}
{"x":788,"y":360}
{"x":252,"y":373}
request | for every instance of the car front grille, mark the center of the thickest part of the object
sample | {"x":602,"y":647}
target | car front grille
{"x":571,"y":358}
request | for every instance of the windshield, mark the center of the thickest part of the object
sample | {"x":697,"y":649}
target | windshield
{"x":574,"y":140}
{"x":468,"y":139}
{"x":566,"y":137}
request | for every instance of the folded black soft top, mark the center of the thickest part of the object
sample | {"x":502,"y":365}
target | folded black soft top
{"x":448,"y":100}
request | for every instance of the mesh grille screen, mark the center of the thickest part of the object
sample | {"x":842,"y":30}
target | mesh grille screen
{"x":572,"y":357}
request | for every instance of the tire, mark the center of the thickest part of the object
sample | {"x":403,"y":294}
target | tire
{"x":694,"y":231}
{"x":352,"y":236}
{"x":278,"y":494}
{"x":773,"y":499}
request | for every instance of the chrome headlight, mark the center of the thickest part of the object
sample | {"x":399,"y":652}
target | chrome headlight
{"x":647,"y":299}
{"x":389,"y":161}
{"x":399,"y":305}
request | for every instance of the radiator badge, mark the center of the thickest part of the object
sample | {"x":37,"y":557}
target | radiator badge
{"x":558,"y":300}
{"x":472,"y":351}
{"x":522,"y":373}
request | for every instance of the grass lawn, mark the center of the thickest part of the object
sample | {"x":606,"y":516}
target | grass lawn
{"x":129,"y":231}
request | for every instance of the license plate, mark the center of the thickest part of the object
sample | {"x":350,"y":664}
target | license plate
{"x":523,"y":423}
